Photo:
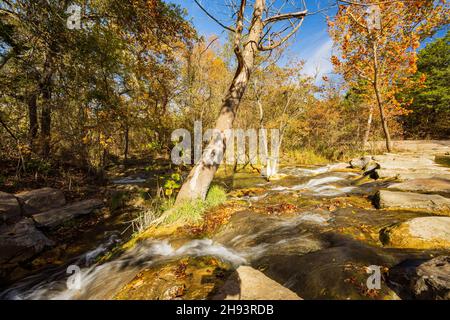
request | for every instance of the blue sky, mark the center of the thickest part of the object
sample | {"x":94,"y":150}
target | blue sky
{"x":311,"y":43}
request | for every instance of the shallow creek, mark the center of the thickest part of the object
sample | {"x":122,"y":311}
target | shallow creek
{"x":313,"y":231}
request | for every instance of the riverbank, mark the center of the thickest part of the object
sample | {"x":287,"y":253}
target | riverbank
{"x":314,"y":230}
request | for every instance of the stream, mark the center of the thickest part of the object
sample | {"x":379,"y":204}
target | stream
{"x":318,"y":241}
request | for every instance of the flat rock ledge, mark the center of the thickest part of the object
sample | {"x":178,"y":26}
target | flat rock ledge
{"x":396,"y":200}
{"x":247,"y":283}
{"x":418,"y":233}
{"x":405,"y":174}
{"x":56,"y":217}
{"x":401,"y":166}
{"x":433,"y":185}
{"x":40,"y":200}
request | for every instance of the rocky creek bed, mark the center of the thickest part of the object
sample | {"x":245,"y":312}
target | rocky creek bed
{"x":311,"y":233}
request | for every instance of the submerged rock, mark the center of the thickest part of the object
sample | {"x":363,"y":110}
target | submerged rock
{"x":418,"y":233}
{"x":41,"y":200}
{"x":432,"y":185}
{"x":408,"y":200}
{"x":247,"y":283}
{"x":189,"y":278}
{"x":55,"y":217}
{"x":9,"y":208}
{"x":429,"y":280}
{"x":257,"y":234}
{"x":332,"y":273}
{"x":21,"y":241}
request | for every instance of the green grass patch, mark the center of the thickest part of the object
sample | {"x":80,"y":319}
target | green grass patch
{"x":193,"y":211}
{"x":304,"y":157}
{"x":216,"y":196}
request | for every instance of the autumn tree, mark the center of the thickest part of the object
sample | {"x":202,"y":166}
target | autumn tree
{"x":278,"y":98}
{"x":205,"y":77}
{"x":267,"y":26}
{"x":86,"y":90}
{"x":377,"y":42}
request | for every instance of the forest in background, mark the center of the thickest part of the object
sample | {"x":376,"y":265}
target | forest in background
{"x":116,"y":89}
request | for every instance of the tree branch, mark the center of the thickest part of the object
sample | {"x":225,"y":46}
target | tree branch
{"x":286,"y":16}
{"x":357,"y":22}
{"x":214,"y":18}
{"x":8,"y":130}
{"x":283,"y":40}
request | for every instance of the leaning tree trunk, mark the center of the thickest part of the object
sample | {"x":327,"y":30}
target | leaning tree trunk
{"x":379,"y":100}
{"x":200,"y":177}
{"x":197,"y":183}
{"x":383,"y":120}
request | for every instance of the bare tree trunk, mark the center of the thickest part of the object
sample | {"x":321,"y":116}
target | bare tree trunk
{"x":197,"y":183}
{"x":33,"y":118}
{"x":127,"y":143}
{"x":46,"y":119}
{"x":368,"y":127}
{"x":46,"y":110}
{"x":383,"y":119}
{"x":380,"y":101}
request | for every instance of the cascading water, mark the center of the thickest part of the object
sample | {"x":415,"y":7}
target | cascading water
{"x":301,"y":251}
{"x":322,"y":186}
{"x":103,"y":280}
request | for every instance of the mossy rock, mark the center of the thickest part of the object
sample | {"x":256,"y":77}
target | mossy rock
{"x":187,"y":278}
{"x":418,"y":233}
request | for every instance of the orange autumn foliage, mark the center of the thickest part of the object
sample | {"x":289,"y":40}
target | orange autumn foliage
{"x":387,"y":55}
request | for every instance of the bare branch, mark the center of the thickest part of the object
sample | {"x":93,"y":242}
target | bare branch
{"x":213,"y":18}
{"x":286,"y":16}
{"x":209,"y":45}
{"x":283,"y":40}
